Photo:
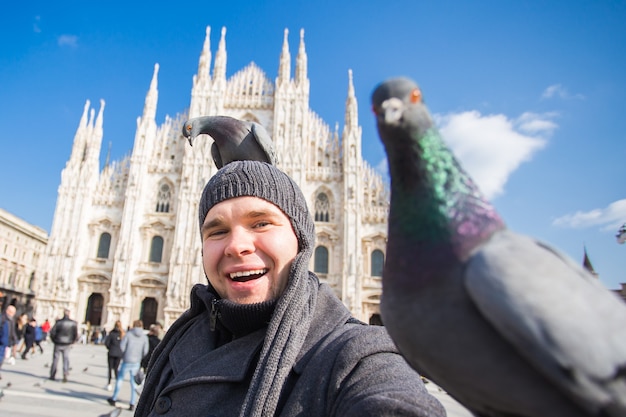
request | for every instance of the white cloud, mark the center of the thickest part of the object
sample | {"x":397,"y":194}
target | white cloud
{"x":557,"y":90}
{"x":609,"y":218}
{"x":68,"y":40}
{"x":492,"y":147}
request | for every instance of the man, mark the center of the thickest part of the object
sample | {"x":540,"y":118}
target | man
{"x":265,"y":338}
{"x":153,"y":340}
{"x":63,"y":334}
{"x":135,"y":347}
{"x":6,"y":331}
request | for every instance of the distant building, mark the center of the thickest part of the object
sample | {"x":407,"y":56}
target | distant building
{"x":22,"y":249}
{"x":125,"y":242}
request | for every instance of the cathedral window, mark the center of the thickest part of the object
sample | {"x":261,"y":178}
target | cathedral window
{"x":164,"y":197}
{"x":156,"y":249}
{"x":377,"y":262}
{"x":322,"y":208}
{"x":104,"y":245}
{"x":321,"y":260}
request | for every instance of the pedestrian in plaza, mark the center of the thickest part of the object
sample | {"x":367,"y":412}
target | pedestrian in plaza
{"x":6,"y":326}
{"x":265,"y":337}
{"x":29,"y":337}
{"x":45,"y":328}
{"x":20,"y":328}
{"x":63,"y":334}
{"x":38,"y":338}
{"x":113,"y":344}
{"x":135,"y":346}
{"x":153,"y":341}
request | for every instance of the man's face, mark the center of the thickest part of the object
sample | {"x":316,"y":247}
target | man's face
{"x":248,"y":245}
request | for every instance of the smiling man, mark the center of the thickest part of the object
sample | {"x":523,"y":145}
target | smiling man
{"x":264,"y":337}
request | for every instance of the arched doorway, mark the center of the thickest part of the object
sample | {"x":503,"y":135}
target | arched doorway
{"x":376,"y":320}
{"x":93,"y":314}
{"x":148,"y":314}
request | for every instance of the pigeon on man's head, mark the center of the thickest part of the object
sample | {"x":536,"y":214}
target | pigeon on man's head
{"x":505,"y":324}
{"x":234,"y":139}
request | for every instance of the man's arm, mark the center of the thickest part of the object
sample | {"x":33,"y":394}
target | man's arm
{"x":375,"y":380}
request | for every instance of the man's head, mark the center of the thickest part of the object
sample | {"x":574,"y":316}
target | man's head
{"x":253,"y":221}
{"x":66,"y":312}
{"x":138,"y":323}
{"x":10,"y":311}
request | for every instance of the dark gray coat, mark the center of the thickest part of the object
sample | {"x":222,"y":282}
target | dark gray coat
{"x":345,"y":368}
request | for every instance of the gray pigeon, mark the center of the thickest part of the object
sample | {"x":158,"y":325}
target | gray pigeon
{"x":234,"y":139}
{"x":505,"y":324}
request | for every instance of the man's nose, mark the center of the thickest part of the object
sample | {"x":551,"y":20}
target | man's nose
{"x":240,"y":242}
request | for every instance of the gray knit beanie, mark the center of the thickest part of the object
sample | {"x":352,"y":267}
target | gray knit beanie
{"x":259,"y":179}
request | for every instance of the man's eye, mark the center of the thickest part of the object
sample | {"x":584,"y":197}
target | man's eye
{"x":214,"y":233}
{"x":262,"y":223}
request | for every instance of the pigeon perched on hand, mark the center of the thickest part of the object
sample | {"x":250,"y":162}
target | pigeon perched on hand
{"x":505,"y":324}
{"x":234,"y":139}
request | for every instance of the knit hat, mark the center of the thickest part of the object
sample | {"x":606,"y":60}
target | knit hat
{"x":259,"y":179}
{"x":292,"y":315}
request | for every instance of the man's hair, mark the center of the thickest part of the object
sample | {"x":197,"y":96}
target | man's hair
{"x":138,"y":323}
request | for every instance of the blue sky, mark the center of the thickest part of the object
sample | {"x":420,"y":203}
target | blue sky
{"x":530,"y":94}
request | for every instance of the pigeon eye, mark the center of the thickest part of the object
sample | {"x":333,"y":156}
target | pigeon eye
{"x":416,"y":95}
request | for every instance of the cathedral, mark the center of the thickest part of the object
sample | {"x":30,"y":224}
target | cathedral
{"x":125,"y":242}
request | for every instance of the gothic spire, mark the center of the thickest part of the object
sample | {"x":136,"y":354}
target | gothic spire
{"x":93,"y":140}
{"x":150,"y":105}
{"x":204,"y":66}
{"x":219,"y":70}
{"x":352,"y":117}
{"x":284,"y":66}
{"x":301,"y":61}
{"x":587,"y":263}
{"x":81,"y":135}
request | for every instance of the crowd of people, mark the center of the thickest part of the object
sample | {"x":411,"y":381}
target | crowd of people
{"x":20,"y":336}
{"x":127,"y":351}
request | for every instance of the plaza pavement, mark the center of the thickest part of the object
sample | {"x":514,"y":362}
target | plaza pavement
{"x":27,"y":392}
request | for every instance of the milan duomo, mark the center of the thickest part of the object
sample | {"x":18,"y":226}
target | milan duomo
{"x":125,"y":242}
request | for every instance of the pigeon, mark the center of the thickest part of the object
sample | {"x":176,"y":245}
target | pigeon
{"x":505,"y":324}
{"x":234,"y":139}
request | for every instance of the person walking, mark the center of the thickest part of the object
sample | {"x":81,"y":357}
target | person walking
{"x":135,"y":346}
{"x":153,"y":341}
{"x":6,"y":324}
{"x":63,"y":334}
{"x":45,"y":328}
{"x":38,"y":338}
{"x":20,"y":327}
{"x":113,"y":343}
{"x":13,"y":335}
{"x":29,"y":337}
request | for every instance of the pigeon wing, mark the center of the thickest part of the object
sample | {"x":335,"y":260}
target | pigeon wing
{"x":217,"y":157}
{"x":554,"y":314}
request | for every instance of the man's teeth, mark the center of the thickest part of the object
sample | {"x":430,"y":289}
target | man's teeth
{"x":240,"y":274}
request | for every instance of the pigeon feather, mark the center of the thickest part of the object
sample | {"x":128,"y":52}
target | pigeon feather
{"x":234,"y":139}
{"x":506,"y":324}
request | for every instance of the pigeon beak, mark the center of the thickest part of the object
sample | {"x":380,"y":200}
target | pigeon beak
{"x":392,"y":110}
